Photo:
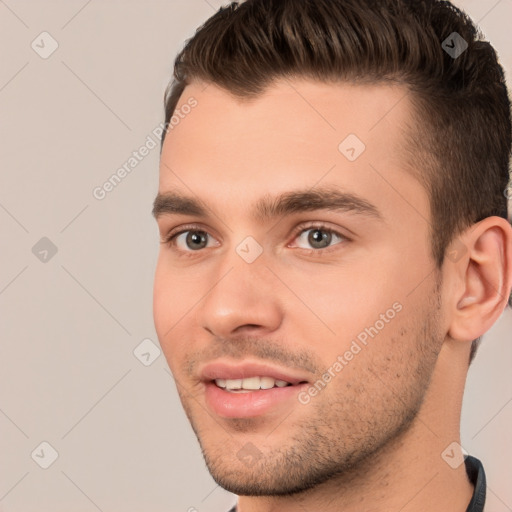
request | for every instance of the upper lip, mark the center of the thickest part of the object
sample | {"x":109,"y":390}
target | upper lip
{"x":225,"y":370}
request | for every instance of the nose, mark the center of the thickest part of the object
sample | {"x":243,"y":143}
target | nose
{"x":242,"y":300}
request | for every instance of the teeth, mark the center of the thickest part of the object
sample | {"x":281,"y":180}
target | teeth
{"x":233,"y":383}
{"x":267,"y":382}
{"x":250,"y":383}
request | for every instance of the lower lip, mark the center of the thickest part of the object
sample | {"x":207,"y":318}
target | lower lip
{"x":247,"y":405}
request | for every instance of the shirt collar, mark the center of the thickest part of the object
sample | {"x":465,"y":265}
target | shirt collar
{"x":476,"y":475}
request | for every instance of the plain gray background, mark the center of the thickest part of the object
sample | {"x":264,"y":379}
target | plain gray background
{"x":71,"y":321}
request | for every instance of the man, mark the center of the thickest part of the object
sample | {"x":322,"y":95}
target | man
{"x":333,"y":216}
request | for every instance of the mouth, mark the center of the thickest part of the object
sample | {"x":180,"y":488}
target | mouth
{"x":250,"y":389}
{"x":250,"y":384}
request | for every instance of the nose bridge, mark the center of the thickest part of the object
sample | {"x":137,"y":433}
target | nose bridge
{"x":241,"y":292}
{"x":243,"y":270}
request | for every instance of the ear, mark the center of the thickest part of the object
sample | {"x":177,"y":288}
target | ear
{"x":482,"y":277}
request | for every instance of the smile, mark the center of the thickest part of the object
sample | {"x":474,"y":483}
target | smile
{"x":250,"y":384}
{"x":246,"y":389}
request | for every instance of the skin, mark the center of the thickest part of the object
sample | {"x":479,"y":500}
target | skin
{"x":372,"y":439}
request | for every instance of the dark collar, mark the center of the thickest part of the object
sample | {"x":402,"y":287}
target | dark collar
{"x":476,"y":475}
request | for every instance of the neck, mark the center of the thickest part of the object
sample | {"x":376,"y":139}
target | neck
{"x":408,"y":474}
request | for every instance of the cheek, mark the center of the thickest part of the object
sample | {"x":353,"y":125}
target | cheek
{"x":176,"y":294}
{"x":338,"y":303}
{"x":174,"y":289}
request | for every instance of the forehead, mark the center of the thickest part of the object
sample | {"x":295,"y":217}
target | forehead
{"x":299,"y":133}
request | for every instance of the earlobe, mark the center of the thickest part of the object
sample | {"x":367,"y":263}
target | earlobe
{"x":484,"y":278}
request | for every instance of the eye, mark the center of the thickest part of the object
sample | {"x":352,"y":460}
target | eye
{"x":312,"y":238}
{"x":318,"y":237}
{"x":189,"y":240}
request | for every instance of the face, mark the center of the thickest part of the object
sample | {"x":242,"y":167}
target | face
{"x":295,"y":296}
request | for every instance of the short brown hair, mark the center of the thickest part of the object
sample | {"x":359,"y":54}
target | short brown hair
{"x":459,"y":148}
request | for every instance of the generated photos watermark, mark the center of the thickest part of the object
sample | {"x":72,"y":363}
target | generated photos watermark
{"x":152,"y":141}
{"x":355,"y":348}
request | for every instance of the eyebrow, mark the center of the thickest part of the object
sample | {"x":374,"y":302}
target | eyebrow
{"x":270,"y":207}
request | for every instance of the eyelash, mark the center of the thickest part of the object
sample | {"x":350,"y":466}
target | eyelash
{"x":170,"y":239}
